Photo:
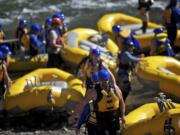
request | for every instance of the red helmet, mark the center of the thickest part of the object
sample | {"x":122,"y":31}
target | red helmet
{"x":57,"y":21}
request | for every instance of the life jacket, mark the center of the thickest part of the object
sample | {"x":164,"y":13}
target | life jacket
{"x":163,"y":45}
{"x":25,"y":41}
{"x":1,"y":72}
{"x":107,"y":101}
{"x":2,"y":82}
{"x":58,"y":40}
{"x":92,"y":116}
{"x":1,"y":35}
{"x":127,"y":66}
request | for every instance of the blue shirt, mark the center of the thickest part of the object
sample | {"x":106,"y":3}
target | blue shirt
{"x":126,"y":57}
{"x":35,"y":42}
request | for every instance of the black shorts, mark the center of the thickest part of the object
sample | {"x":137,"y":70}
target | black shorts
{"x":146,"y":5}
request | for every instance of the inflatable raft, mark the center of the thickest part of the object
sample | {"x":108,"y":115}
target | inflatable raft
{"x":26,"y":63}
{"x":44,"y":88}
{"x":128,"y":22}
{"x":77,"y":46}
{"x":148,"y":120}
{"x":161,"y":71}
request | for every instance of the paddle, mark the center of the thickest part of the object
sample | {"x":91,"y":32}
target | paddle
{"x":9,"y":40}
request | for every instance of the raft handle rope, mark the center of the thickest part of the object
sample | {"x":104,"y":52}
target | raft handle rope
{"x":163,"y":103}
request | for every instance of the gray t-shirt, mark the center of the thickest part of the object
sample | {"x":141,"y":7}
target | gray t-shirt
{"x":52,"y":40}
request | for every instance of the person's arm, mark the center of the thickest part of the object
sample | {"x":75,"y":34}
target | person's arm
{"x":80,"y":66}
{"x":132,"y":58}
{"x":121,"y":103}
{"x":7,"y":78}
{"x":65,"y":28}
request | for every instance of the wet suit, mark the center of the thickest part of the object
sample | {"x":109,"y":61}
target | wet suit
{"x":126,"y":60}
{"x":107,"y":111}
{"x":171,"y":17}
{"x":163,"y":46}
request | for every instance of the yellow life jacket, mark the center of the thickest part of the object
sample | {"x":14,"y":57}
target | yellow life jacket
{"x":125,"y":33}
{"x":109,"y":101}
{"x":92,"y":116}
{"x":1,"y":72}
{"x":162,"y":37}
{"x":25,"y":41}
{"x":1,"y":35}
{"x":167,"y":15}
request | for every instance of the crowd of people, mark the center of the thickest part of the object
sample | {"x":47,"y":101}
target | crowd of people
{"x":103,"y":105}
{"x":31,"y":41}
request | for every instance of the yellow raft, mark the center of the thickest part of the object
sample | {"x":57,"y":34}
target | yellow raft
{"x":44,"y":88}
{"x":77,"y":47}
{"x":148,"y":120}
{"x":27,"y":63}
{"x":128,"y":22}
{"x":164,"y":71}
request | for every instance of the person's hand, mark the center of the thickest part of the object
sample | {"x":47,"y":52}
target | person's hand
{"x":142,"y":55}
{"x":123,"y":121}
{"x":77,"y":131}
{"x":9,"y":82}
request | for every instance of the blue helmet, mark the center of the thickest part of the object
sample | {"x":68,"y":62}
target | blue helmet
{"x":62,"y":16}
{"x":59,"y":15}
{"x":23,"y":22}
{"x":56,"y":15}
{"x":48,"y":21}
{"x":116,"y":28}
{"x":36,"y":27}
{"x":104,"y":75}
{"x":5,"y":49}
{"x":1,"y":55}
{"x":128,"y":42}
{"x":158,"y":30}
{"x":96,"y":52}
{"x":95,"y":77}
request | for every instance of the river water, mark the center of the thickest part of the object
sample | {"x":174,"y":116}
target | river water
{"x":79,"y":13}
